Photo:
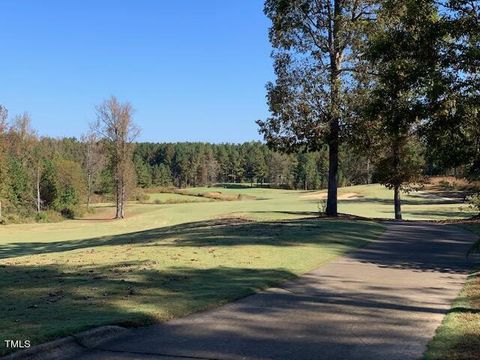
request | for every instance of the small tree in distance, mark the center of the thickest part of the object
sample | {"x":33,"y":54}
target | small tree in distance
{"x":403,"y":53}
{"x":115,"y":125}
{"x":93,"y":160}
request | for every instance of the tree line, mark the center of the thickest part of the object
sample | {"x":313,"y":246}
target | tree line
{"x":364,"y":91}
{"x":200,"y":164}
{"x":44,"y":178}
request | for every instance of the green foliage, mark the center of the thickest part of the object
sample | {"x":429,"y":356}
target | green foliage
{"x":405,"y":171}
{"x":161,"y":175}
{"x":453,"y":127}
{"x":106,"y":182}
{"x":199,"y":164}
{"x":144,"y":174}
{"x":306,"y":173}
{"x":474,"y":201}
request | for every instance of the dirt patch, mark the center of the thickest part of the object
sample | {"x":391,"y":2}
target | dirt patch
{"x":323,"y":196}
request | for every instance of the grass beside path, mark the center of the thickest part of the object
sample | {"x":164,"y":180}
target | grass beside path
{"x":51,"y":289}
{"x":459,"y":335}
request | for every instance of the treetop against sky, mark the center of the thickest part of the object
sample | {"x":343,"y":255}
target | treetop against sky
{"x":193,"y":70}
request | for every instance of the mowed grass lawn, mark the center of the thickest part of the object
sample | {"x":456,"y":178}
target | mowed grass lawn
{"x":168,"y":260}
{"x":459,"y":335}
{"x":158,"y":274}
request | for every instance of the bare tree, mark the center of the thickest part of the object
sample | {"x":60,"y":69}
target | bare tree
{"x":3,"y":119}
{"x":93,"y":160}
{"x":115,"y":125}
{"x":3,"y":129}
{"x":27,"y":147}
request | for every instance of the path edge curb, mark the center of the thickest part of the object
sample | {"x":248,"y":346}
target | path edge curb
{"x":69,"y":346}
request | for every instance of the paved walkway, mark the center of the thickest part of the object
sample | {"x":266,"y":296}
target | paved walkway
{"x":382,"y":302}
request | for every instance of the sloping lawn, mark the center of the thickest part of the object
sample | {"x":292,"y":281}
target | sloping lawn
{"x":459,"y":335}
{"x":50,"y":289}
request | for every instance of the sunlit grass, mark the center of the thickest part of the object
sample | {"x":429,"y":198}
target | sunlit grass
{"x":57,"y":288}
{"x":167,"y":260}
{"x":459,"y":335}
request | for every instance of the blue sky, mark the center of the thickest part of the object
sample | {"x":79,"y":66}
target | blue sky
{"x":194,"y":70}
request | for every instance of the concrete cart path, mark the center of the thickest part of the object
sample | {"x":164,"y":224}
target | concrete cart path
{"x":381,"y":302}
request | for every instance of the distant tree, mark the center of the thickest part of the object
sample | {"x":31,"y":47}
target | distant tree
{"x":316,"y":50}
{"x":161,"y":175}
{"x":3,"y":119}
{"x":403,"y":51}
{"x":235,"y":165}
{"x":306,"y":171}
{"x":144,"y":176}
{"x":70,"y":185}
{"x":27,"y":147}
{"x":4,"y":186}
{"x":115,"y":125}
{"x":280,"y":169}
{"x":93,"y":160}
{"x":255,"y":165}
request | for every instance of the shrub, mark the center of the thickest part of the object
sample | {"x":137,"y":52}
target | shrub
{"x":140,"y":196}
{"x":322,"y":207}
{"x":48,"y":216}
{"x":446,"y":185}
{"x":68,"y":213}
{"x":41,"y":217}
{"x":474,"y":201}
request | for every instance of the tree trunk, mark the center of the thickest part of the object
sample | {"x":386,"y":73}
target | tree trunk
{"x":397,"y":203}
{"x":0,"y":211}
{"x":122,"y":208}
{"x":39,"y":208}
{"x":368,"y":172}
{"x":89,"y":191}
{"x":118,"y":199}
{"x":332,"y":177}
{"x":333,"y":141}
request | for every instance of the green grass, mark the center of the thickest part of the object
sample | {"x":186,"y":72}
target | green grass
{"x":56,"y":288}
{"x":458,"y":337}
{"x":173,"y":198}
{"x":269,"y":204}
{"x":168,"y":260}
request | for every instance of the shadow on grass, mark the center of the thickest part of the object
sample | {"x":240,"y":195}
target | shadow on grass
{"x":286,"y":212}
{"x":45,"y":302}
{"x":437,"y":213}
{"x":420,"y":201}
{"x":322,"y":321}
{"x":464,"y":310}
{"x":237,"y":186}
{"x":57,"y":301}
{"x":226,"y":232}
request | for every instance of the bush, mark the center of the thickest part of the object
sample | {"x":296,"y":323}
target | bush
{"x":48,"y":216}
{"x":446,"y":185}
{"x":140,"y":196}
{"x":68,"y":213}
{"x":143,"y":198}
{"x":322,"y":207}
{"x":41,"y":217}
{"x":474,"y":201}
